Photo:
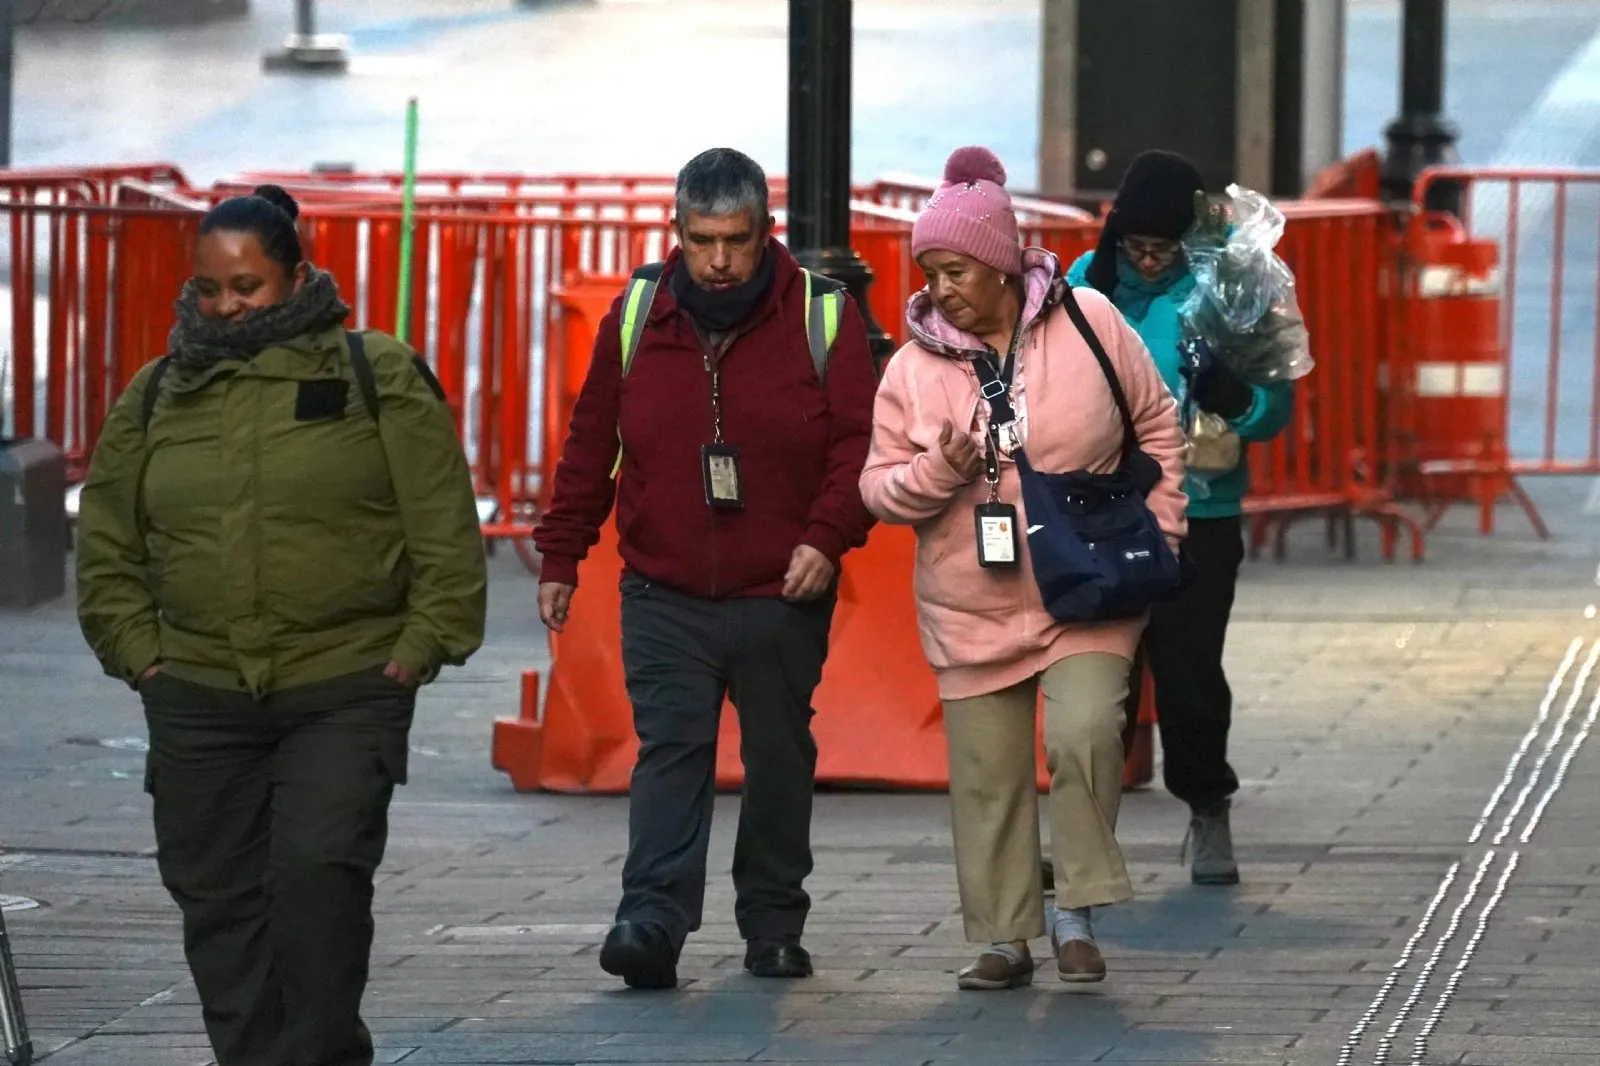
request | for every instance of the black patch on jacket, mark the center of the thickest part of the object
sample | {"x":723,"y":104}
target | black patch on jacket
{"x":323,"y":399}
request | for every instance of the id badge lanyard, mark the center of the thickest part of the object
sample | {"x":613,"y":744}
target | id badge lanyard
{"x":996,"y":521}
{"x":719,"y":460}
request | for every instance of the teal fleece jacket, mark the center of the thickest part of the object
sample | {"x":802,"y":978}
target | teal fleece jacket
{"x":1151,"y":308}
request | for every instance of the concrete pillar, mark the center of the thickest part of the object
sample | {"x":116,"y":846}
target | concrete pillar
{"x":1250,"y":90}
{"x":1058,"y":97}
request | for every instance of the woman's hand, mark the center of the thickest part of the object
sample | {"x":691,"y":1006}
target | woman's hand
{"x":959,"y":451}
{"x":399,"y":675}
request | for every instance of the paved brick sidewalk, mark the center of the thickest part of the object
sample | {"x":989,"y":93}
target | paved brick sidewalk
{"x":1379,"y":709}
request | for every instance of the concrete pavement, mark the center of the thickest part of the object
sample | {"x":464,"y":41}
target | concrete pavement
{"x":1381,"y":710}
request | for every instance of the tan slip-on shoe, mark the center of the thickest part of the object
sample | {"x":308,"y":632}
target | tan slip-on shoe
{"x":1078,"y":961}
{"x":1000,"y":966}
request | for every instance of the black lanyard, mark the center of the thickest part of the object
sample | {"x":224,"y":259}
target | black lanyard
{"x":995,"y":387}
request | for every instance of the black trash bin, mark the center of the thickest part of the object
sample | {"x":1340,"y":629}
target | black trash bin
{"x":33,"y":522}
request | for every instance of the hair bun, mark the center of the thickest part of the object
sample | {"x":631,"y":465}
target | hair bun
{"x":277,"y":197}
{"x":972,"y":164}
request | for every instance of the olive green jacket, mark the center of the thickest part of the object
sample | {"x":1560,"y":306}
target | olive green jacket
{"x":266,"y":532}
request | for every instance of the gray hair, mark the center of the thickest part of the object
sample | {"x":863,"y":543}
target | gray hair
{"x":722,"y":181}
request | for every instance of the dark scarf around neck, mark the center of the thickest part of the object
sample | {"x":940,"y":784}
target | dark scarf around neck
{"x":198,"y":342}
{"x":718,"y":312}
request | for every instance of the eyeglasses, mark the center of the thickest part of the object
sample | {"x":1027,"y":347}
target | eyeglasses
{"x":1156,"y":251}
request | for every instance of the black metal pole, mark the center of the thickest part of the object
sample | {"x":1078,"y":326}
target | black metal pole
{"x":8,"y":30}
{"x":15,"y":1046}
{"x":1421,"y":136}
{"x":819,"y":152}
{"x":305,"y":19}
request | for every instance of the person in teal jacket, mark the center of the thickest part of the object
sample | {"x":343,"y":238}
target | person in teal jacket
{"x":1139,"y":265}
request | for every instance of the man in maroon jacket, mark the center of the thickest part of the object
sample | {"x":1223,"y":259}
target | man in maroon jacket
{"x":736,"y":496}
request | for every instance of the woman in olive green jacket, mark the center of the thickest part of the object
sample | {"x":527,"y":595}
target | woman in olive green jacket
{"x":278,"y":544}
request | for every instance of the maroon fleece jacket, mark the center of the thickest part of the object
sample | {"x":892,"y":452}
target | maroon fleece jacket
{"x":802,"y":447}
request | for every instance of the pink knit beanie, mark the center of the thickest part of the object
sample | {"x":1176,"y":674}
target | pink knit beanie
{"x":971,"y":213}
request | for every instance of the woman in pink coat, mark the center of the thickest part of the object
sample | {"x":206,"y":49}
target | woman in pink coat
{"x":984,"y":628}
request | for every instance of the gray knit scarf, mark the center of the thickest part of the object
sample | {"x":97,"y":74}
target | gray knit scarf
{"x":199,"y":343}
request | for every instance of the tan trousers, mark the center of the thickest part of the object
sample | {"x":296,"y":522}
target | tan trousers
{"x":995,"y":803}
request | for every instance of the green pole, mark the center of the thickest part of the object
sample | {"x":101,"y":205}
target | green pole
{"x":408,"y":196}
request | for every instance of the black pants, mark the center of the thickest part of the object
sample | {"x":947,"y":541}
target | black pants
{"x":682,"y":656}
{"x":271,"y":819}
{"x":1183,"y":645}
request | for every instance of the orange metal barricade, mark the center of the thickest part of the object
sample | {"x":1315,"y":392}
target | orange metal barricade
{"x":91,"y":289}
{"x":1498,"y":358}
{"x":496,"y":252}
{"x":1328,"y":462}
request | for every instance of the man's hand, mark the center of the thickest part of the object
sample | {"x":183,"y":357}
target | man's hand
{"x":554,"y":602}
{"x":810,"y":575}
{"x":399,"y":675}
{"x":147,"y":675}
{"x":959,"y":451}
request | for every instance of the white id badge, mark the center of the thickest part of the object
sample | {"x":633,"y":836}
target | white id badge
{"x":997,"y":534}
{"x":719,"y":467}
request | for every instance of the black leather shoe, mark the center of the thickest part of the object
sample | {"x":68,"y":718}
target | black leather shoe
{"x":777,"y":958}
{"x":641,"y":954}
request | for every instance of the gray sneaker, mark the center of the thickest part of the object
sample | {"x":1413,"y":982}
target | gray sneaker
{"x":1209,"y":847}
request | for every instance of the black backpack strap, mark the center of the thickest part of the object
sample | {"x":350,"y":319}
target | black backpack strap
{"x":362,"y":368}
{"x":152,"y":391}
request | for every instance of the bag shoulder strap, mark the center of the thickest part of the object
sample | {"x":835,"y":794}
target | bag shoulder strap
{"x":152,"y":391}
{"x":637,"y":300}
{"x":824,"y":309}
{"x":824,"y":312}
{"x":361,"y":366}
{"x":1130,"y":436}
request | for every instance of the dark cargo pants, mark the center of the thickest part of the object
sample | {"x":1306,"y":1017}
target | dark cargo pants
{"x":1184,"y":643}
{"x":271,"y":818}
{"x":681,"y":656}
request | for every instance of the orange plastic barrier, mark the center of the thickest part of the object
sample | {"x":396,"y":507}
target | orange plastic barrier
{"x":1453,"y":373}
{"x":878,"y":718}
{"x":1359,"y":177}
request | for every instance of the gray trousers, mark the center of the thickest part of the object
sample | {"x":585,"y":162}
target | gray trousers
{"x":271,"y":819}
{"x":682,"y":656}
